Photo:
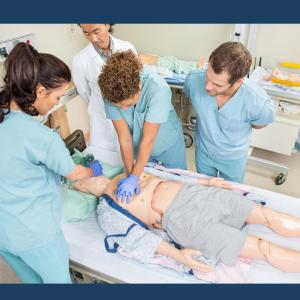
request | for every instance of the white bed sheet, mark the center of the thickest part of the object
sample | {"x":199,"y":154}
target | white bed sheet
{"x":86,"y":247}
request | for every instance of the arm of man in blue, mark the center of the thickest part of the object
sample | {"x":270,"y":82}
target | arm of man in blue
{"x":262,"y":112}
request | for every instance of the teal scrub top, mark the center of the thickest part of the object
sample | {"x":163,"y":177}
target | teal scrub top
{"x":155,"y":106}
{"x":32,"y":159}
{"x":225,"y":133}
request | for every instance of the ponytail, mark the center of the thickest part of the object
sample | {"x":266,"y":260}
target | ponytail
{"x":25,"y":69}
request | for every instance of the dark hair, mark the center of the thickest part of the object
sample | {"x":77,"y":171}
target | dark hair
{"x":232,"y":57}
{"x":120,"y":77}
{"x":110,"y":30}
{"x":25,"y":69}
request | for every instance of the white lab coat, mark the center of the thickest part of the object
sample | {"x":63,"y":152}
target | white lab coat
{"x":86,"y":68}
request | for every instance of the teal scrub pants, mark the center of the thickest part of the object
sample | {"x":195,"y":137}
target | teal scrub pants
{"x":174,"y":157}
{"x":231,"y":170}
{"x":46,"y":264}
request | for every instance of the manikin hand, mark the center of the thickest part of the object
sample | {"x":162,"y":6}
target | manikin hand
{"x":217,"y":182}
{"x":186,"y":257}
{"x":220,"y":182}
{"x":127,"y":187}
{"x":201,"y":63}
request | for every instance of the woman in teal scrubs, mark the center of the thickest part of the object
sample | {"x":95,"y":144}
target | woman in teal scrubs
{"x":33,"y":158}
{"x":138,"y":102}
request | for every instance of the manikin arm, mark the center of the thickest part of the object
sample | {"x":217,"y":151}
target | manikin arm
{"x":142,"y":244}
{"x":183,"y":256}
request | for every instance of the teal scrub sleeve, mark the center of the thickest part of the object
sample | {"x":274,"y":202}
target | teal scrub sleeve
{"x":58,"y":158}
{"x":159,"y":107}
{"x":112,"y":111}
{"x":263,"y":115}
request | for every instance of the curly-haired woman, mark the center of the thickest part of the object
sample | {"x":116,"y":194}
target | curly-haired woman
{"x":138,"y":102}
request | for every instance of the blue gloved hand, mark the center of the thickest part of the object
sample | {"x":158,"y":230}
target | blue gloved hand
{"x":96,"y":167}
{"x":127,"y":187}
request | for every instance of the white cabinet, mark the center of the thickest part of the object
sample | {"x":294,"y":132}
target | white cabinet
{"x":279,"y":136}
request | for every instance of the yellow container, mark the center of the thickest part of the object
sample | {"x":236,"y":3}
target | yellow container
{"x":285,"y":82}
{"x":289,"y":64}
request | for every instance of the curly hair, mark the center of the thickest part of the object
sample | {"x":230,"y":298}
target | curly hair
{"x":120,"y":77}
{"x":232,"y":57}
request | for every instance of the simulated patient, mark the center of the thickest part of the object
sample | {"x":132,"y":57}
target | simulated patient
{"x":205,"y":219}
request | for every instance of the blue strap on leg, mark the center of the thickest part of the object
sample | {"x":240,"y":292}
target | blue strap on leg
{"x":116,"y":245}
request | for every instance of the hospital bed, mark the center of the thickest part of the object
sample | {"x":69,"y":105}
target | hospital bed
{"x":89,"y":259}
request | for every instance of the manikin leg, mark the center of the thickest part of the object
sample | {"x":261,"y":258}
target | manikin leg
{"x":285,"y":259}
{"x":281,"y":223}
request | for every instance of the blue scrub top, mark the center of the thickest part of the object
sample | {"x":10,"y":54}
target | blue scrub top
{"x":155,"y":106}
{"x":32,"y":158}
{"x":225,"y":133}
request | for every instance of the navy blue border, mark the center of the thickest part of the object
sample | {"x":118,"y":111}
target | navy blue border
{"x":153,"y":292}
{"x":150,"y":11}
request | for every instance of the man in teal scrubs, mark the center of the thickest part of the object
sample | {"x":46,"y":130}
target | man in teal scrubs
{"x":227,"y":106}
{"x":138,"y":102}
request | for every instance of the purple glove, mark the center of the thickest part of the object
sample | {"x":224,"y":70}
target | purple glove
{"x":127,"y":187}
{"x":96,"y":167}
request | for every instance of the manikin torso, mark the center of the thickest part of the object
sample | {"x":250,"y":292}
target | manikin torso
{"x":156,"y":194}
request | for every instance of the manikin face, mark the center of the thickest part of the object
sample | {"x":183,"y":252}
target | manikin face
{"x":216,"y":84}
{"x":47,"y":99}
{"x":97,"y":34}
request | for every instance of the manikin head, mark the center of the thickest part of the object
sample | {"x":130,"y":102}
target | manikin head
{"x":228,"y":65}
{"x":97,"y":34}
{"x":94,"y":185}
{"x":34,"y":82}
{"x":120,"y":80}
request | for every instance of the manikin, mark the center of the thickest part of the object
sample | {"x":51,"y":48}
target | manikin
{"x":205,"y":219}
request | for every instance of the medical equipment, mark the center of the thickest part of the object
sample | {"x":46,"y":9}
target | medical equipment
{"x":281,"y":135}
{"x":75,"y":141}
{"x":90,"y":261}
{"x":187,"y":120}
{"x":7,"y":45}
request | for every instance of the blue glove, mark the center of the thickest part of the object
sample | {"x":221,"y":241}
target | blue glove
{"x":127,"y":187}
{"x":96,"y":167}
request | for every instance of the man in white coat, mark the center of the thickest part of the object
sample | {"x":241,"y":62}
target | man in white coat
{"x":86,"y":68}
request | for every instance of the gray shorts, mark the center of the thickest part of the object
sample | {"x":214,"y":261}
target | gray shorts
{"x":209,"y":219}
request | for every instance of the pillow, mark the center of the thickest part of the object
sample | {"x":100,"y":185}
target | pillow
{"x":77,"y":206}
